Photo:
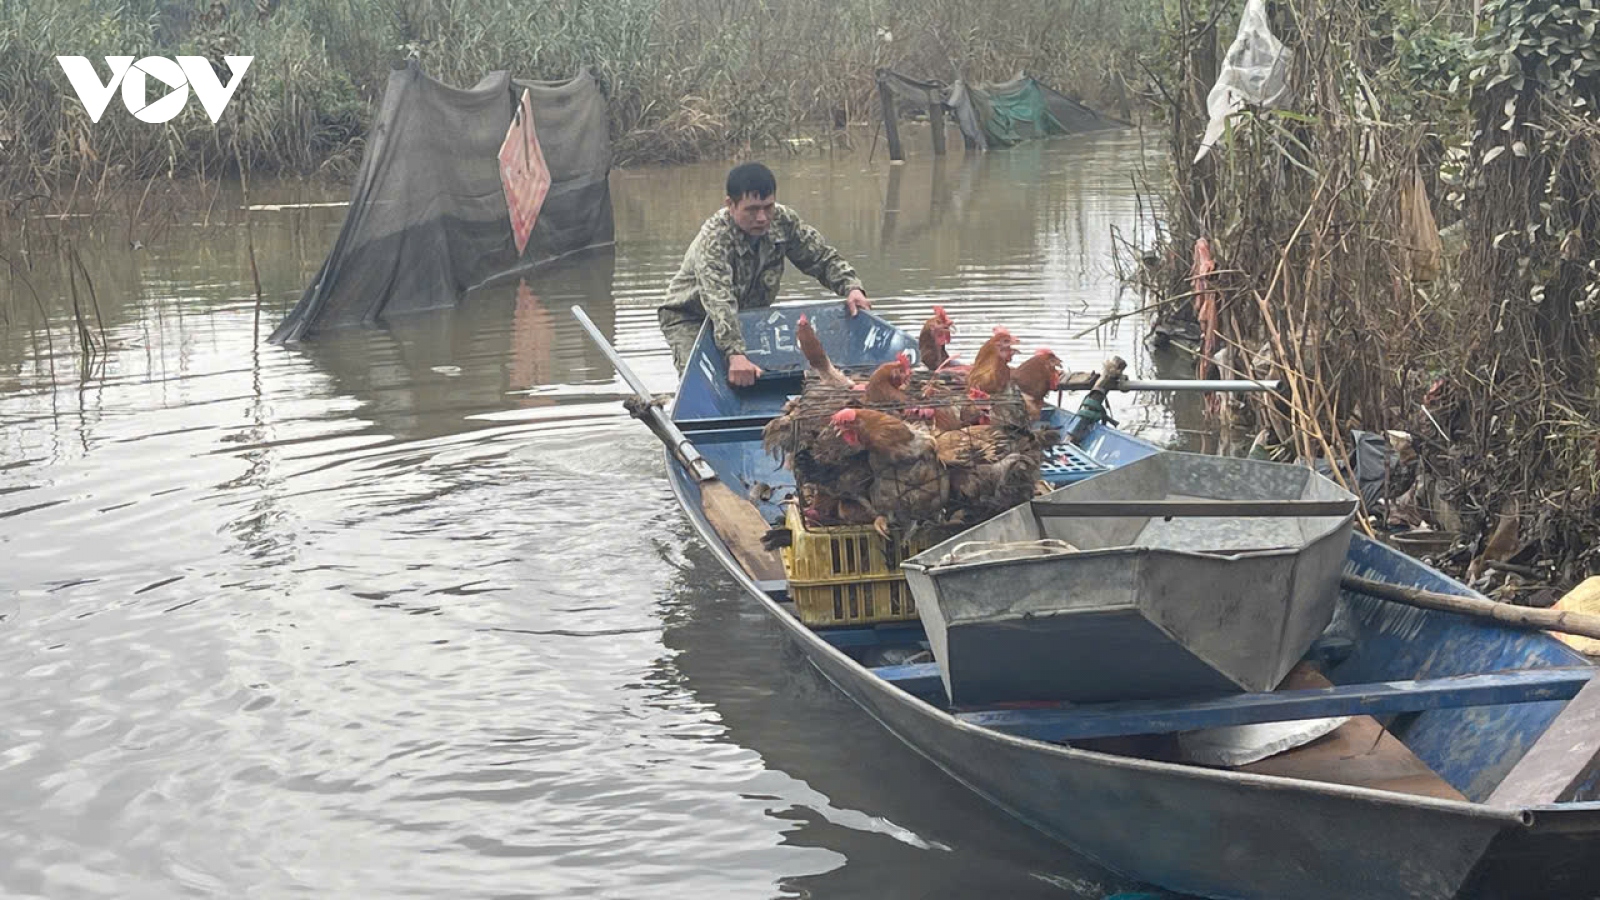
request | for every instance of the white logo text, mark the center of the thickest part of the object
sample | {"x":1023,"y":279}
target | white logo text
{"x":187,"y":72}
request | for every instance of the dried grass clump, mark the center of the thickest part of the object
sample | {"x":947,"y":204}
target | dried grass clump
{"x":1329,"y":273}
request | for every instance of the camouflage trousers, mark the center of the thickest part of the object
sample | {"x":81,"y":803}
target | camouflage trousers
{"x":680,"y":334}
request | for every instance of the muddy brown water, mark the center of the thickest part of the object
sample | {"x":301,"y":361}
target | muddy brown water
{"x":410,"y":612}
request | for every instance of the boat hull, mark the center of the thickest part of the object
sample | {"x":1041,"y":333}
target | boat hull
{"x":1209,"y":833}
{"x":1228,"y":834}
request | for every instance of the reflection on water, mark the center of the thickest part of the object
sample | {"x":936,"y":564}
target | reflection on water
{"x":409,"y":611}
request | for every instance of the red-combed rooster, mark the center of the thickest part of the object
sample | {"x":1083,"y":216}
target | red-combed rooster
{"x":909,"y":486}
{"x":935,"y":335}
{"x":811,"y":348}
{"x":991,"y":467}
{"x":991,"y":369}
{"x":1036,"y":378}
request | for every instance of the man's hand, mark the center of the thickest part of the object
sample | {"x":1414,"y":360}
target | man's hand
{"x":741,"y":371}
{"x":857,"y":301}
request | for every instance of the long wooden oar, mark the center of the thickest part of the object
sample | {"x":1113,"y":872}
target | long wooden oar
{"x":1563,"y":621}
{"x":735,"y":519}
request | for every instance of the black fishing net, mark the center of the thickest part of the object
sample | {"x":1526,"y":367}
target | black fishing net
{"x":999,"y":114}
{"x":428,"y":219}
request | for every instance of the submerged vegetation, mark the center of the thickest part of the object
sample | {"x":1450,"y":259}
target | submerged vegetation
{"x":685,"y":79}
{"x":1323,"y":216}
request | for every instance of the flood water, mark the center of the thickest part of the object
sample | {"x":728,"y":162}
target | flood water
{"x":411,"y":613}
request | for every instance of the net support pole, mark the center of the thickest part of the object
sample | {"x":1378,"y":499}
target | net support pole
{"x":891,"y":130}
{"x":936,"y":122}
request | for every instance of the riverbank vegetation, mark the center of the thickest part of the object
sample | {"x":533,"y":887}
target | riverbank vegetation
{"x":1307,"y":246}
{"x":685,"y":79}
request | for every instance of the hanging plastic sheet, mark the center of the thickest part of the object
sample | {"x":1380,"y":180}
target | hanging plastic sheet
{"x":1255,"y":72}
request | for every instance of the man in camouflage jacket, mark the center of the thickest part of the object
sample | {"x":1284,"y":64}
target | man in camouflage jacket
{"x":735,"y":263}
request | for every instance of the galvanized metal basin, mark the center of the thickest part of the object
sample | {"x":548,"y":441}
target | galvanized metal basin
{"x":1187,"y":575}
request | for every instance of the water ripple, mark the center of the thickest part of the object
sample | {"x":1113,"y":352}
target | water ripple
{"x":409,"y":612}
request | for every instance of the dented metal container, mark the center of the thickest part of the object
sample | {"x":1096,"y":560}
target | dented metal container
{"x":1177,"y":575}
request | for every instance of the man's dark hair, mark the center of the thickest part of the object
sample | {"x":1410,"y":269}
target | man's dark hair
{"x":751,"y":178}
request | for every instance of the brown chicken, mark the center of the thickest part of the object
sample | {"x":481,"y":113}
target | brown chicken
{"x":1036,"y":378}
{"x":909,"y":486}
{"x":835,"y":503}
{"x":991,"y":467}
{"x":825,"y":467}
{"x":950,"y":415}
{"x":886,"y":387}
{"x":811,"y":348}
{"x":935,"y":335}
{"x":991,"y":370}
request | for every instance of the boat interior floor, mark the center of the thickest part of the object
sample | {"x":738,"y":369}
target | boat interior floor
{"x":1359,"y":753}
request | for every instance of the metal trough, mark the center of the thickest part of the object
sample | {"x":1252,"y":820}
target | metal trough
{"x":1180,"y":574}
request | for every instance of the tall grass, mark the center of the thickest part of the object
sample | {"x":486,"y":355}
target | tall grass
{"x":1326,"y":277}
{"x":685,"y":79}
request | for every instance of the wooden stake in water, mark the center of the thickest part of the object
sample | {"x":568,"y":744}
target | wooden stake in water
{"x":244,"y":188}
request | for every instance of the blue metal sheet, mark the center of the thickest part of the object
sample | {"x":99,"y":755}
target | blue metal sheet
{"x":921,"y":679}
{"x":1112,"y":447}
{"x":864,"y":636}
{"x":1067,"y":464}
{"x":737,"y":456}
{"x":1472,"y":749}
{"x":1105,"y":446}
{"x":1165,"y":717}
{"x":860,"y":340}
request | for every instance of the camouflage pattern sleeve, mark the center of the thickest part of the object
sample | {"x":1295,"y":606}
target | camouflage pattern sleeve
{"x":713,"y":271}
{"x":813,"y":256}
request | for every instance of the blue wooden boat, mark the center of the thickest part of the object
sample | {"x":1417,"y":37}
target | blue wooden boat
{"x":1468,"y":770}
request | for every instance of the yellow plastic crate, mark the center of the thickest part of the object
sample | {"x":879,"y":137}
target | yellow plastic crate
{"x":855,"y":603}
{"x":848,"y":574}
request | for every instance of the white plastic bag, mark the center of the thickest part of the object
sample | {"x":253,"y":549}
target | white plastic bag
{"x":1240,"y":745}
{"x":1255,"y":71}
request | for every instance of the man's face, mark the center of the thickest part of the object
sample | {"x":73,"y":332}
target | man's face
{"x":753,"y":214}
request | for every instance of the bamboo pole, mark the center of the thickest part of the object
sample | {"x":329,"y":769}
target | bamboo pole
{"x":1563,"y":621}
{"x":936,"y":122}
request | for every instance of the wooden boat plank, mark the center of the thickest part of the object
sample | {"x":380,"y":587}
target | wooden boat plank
{"x":741,"y":525}
{"x":1116,"y":719}
{"x":1359,"y":753}
{"x":1561,"y":761}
